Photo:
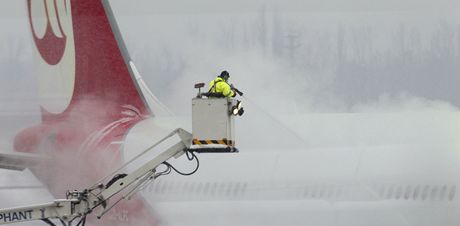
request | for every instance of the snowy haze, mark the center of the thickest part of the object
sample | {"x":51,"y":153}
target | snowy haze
{"x":330,"y":60}
{"x":316,"y":56}
{"x":305,"y":67}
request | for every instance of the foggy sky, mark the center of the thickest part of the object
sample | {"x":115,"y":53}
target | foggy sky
{"x":14,"y":8}
{"x":201,"y":6}
{"x":251,"y":39}
{"x":288,"y":56}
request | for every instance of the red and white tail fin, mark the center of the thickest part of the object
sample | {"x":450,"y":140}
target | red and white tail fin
{"x":90,"y":98}
{"x":81,"y":57}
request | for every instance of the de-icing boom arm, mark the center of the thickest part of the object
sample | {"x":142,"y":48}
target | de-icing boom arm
{"x":79,"y":204}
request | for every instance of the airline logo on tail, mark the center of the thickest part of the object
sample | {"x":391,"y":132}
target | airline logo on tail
{"x":52,"y":31}
{"x":89,"y":100}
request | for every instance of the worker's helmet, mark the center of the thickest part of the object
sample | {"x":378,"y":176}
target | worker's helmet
{"x":225,"y":75}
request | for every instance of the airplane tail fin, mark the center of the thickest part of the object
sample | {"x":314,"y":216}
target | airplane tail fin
{"x":90,"y":97}
{"x":81,"y":56}
{"x":85,"y":72}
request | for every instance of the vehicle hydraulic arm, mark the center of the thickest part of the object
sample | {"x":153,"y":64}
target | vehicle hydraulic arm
{"x":78,"y":204}
{"x":213,"y":132}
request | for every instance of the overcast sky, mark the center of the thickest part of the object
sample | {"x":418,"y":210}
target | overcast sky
{"x":201,"y":6}
{"x":170,"y":27}
{"x":15,"y":7}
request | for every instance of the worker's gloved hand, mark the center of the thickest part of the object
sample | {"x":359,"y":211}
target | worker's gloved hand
{"x":241,"y":112}
{"x":232,"y":87}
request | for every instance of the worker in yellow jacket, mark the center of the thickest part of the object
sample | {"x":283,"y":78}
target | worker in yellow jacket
{"x":220,"y":88}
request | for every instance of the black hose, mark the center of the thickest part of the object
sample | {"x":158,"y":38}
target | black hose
{"x":190,"y":156}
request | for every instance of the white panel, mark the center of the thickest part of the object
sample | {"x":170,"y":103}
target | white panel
{"x":53,"y":18}
{"x":38,"y":17}
{"x":56,"y":82}
{"x":211,"y":119}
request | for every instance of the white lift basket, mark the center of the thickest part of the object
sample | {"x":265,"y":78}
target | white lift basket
{"x":213,"y":125}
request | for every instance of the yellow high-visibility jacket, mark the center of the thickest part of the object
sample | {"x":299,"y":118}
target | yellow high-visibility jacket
{"x":221,"y":87}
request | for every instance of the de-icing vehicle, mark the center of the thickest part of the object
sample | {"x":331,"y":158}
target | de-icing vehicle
{"x":213,"y":132}
{"x":92,"y":98}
